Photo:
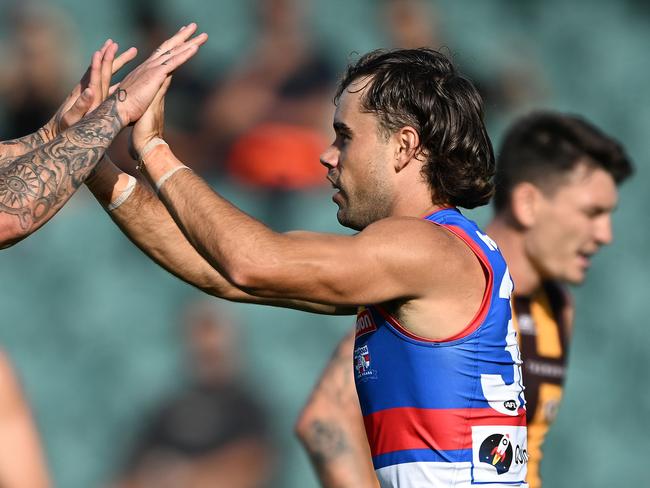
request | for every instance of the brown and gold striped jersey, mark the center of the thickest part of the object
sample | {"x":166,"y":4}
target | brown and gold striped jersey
{"x":543,"y":324}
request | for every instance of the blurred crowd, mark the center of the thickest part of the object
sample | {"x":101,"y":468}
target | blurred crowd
{"x":264,"y":119}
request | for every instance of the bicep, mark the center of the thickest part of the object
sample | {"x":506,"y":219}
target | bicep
{"x":386,"y":261}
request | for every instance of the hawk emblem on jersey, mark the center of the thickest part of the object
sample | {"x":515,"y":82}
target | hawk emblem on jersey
{"x":365,"y":322}
{"x":362,"y":368}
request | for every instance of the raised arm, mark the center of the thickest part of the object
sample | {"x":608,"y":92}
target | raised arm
{"x":331,"y":428}
{"x":339,"y":270}
{"x":84,"y":97}
{"x":35,"y":185}
{"x":389,"y":260}
{"x":143,"y":218}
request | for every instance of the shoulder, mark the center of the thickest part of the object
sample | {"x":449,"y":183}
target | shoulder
{"x":424,"y":243}
{"x":419,"y":233}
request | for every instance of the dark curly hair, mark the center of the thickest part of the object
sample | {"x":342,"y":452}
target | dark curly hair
{"x":545,"y":145}
{"x":422,"y":89}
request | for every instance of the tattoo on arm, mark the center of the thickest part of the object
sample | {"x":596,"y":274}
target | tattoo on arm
{"x":35,"y":185}
{"x":17,"y":147}
{"x":326,"y":442}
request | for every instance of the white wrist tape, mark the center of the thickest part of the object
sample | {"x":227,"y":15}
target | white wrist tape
{"x":156,"y":141}
{"x":126,"y":193}
{"x":168,"y":175}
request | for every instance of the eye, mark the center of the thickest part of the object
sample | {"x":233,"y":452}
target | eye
{"x":593,"y":212}
{"x":341,"y":139}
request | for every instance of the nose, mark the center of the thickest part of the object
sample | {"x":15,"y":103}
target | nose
{"x":330,"y":157}
{"x":603,"y":230}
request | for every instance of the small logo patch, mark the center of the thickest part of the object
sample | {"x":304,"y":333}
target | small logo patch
{"x":365,"y":322}
{"x":499,"y":454}
{"x":497,"y":451}
{"x":510,"y":405}
{"x":362,"y":368}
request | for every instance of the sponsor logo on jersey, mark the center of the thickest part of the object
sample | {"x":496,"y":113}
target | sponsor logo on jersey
{"x":365,"y":322}
{"x":500,"y":454}
{"x":362,"y":368}
{"x":497,"y":451}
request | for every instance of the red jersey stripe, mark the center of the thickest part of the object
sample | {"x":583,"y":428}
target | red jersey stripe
{"x":437,"y":429}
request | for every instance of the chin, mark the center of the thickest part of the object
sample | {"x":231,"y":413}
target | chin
{"x":577,"y":277}
{"x":345,"y":221}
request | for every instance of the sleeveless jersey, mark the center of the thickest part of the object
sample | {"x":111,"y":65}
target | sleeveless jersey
{"x":446,"y":413}
{"x":543,"y":335}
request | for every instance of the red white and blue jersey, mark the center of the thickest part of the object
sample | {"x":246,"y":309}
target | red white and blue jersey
{"x":452,"y":412}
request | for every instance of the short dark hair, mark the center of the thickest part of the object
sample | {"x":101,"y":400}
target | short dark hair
{"x":545,"y":145}
{"x":421,"y":88}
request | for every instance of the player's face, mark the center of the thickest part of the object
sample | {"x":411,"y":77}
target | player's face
{"x":358,"y":164}
{"x":572,"y":224}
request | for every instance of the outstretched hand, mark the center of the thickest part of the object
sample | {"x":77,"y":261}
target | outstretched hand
{"x":139,"y":88}
{"x":91,"y":90}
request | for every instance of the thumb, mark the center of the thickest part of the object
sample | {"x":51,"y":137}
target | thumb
{"x":162,"y":91}
{"x":78,"y":109}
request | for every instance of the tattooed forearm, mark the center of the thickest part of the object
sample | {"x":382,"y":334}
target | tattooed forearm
{"x":35,"y":185}
{"x":17,"y":147}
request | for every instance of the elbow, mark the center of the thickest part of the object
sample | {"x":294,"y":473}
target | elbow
{"x":11,"y":233}
{"x":306,"y":425}
{"x":251,"y":277}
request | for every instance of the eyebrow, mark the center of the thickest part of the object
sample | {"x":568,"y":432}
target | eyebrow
{"x":341,"y":128}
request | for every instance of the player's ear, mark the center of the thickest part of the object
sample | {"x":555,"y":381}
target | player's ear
{"x":525,"y":203}
{"x":407,"y":146}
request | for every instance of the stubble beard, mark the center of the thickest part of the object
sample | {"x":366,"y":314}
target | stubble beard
{"x":364,"y":208}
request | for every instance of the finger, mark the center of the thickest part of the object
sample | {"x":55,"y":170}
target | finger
{"x":162,"y":91}
{"x":105,"y":46}
{"x":126,"y":57}
{"x":79,"y":88}
{"x":176,"y":40}
{"x":78,"y":110}
{"x":174,"y":61}
{"x":107,"y":68}
{"x":94,"y":82}
{"x":193,"y":43}
{"x":85,"y":79}
{"x":112,"y":89}
{"x":83,"y":83}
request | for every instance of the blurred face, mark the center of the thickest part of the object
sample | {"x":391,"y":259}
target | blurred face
{"x":572,"y":224}
{"x":359,"y":164}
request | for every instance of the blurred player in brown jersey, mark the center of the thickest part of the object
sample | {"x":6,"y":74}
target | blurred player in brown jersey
{"x":556,"y":187}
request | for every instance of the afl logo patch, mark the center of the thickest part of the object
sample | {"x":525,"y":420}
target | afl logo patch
{"x":365,"y":322}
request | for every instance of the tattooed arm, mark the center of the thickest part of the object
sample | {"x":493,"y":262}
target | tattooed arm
{"x":34,"y":186}
{"x":331,"y":426}
{"x":96,"y":78}
{"x":22,"y":145}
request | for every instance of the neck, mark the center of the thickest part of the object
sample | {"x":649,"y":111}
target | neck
{"x":414,"y":198}
{"x":511,"y":243}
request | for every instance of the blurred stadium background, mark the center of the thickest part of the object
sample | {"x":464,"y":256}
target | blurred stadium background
{"x":94,"y":327}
